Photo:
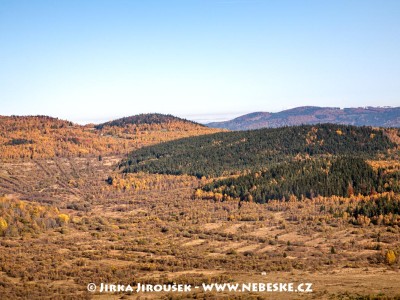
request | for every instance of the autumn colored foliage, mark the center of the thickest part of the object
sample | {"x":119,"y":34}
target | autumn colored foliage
{"x":34,"y":137}
{"x":19,"y":217}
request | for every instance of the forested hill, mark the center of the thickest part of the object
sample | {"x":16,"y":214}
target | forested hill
{"x":342,"y":176}
{"x":233,"y":152}
{"x":38,"y":137}
{"x":149,"y":119}
{"x":369,"y":116}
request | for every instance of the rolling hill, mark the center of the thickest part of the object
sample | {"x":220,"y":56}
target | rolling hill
{"x":370,"y":116}
{"x":149,"y":119}
{"x":278,"y":163}
{"x":31,"y":137}
{"x":228,"y":153}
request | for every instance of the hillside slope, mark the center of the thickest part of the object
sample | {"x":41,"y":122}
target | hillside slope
{"x":234,"y":152}
{"x":370,"y":116}
{"x":340,"y":176}
{"x":31,"y":137}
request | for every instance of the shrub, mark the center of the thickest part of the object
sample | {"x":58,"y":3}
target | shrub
{"x":390,"y":257}
{"x":3,"y":225}
{"x":63,"y":218}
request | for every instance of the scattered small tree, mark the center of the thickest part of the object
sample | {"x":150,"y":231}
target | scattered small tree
{"x":390,"y":257}
{"x":3,"y":225}
{"x":63,"y":218}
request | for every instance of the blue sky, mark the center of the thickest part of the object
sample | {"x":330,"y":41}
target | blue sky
{"x":90,"y":61}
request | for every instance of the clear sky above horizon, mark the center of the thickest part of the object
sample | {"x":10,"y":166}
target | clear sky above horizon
{"x":89,"y":61}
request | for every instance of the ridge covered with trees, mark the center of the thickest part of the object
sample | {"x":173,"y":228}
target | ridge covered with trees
{"x":146,"y":119}
{"x":36,"y":137}
{"x":228,"y":153}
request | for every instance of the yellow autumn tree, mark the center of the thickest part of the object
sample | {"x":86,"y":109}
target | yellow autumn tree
{"x":198,"y":194}
{"x":63,"y":218}
{"x":390,"y":257}
{"x":3,"y":225}
{"x":218,"y":196}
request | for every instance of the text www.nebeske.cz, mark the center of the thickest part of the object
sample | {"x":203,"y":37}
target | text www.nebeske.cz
{"x":211,"y":287}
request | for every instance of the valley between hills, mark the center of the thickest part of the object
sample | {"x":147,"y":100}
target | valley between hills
{"x":158,"y":199}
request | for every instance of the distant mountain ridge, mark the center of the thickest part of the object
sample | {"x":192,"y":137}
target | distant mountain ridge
{"x":361,"y":116}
